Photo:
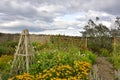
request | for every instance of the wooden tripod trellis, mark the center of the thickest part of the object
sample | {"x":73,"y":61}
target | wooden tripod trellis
{"x":24,"y":56}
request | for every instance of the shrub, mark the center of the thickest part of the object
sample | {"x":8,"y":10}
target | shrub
{"x":3,"y":50}
{"x":65,"y":64}
{"x":104,"y":52}
{"x":25,"y":76}
{"x":115,"y":57}
{"x":5,"y":65}
{"x":39,"y":46}
{"x":5,"y":61}
{"x":92,"y":57}
{"x":47,"y":59}
{"x":7,"y":47}
{"x":79,"y":71}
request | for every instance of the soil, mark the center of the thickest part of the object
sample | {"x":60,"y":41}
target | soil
{"x":105,"y":69}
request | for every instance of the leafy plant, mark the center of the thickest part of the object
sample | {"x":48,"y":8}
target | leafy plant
{"x":47,"y":59}
{"x":5,"y":61}
{"x":115,"y":57}
{"x":79,"y":70}
{"x":92,"y":57}
{"x":5,"y":65}
{"x":104,"y":52}
{"x":8,"y":47}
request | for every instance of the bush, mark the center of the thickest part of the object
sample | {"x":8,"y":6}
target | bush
{"x":104,"y":52}
{"x":5,"y":65}
{"x":38,"y":46}
{"x":47,"y":59}
{"x":65,"y":63}
{"x":115,"y":57}
{"x":3,"y":50}
{"x":5,"y":61}
{"x":92,"y":57}
{"x":116,"y":62}
{"x":8,"y":47}
{"x":25,"y":76}
{"x":79,"y":71}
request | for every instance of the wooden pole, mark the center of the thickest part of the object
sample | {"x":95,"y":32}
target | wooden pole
{"x":26,"y":49}
{"x":23,"y":58}
{"x":114,"y":44}
{"x":86,"y":43}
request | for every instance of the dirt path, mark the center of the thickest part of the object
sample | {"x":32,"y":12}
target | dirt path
{"x":105,"y":69}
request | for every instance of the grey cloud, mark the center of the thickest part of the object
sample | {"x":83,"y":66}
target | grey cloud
{"x":14,"y":8}
{"x":23,"y":10}
{"x":28,"y":10}
{"x":20,"y":28}
{"x":70,"y":6}
{"x":110,"y":6}
{"x":114,"y":9}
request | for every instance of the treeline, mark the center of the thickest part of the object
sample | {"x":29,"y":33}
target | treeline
{"x":99,"y":37}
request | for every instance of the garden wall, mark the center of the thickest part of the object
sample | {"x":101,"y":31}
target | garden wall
{"x":15,"y":37}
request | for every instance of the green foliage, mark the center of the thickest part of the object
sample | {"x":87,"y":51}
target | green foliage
{"x":92,"y":57}
{"x":66,"y":42}
{"x":104,"y":52}
{"x":100,"y":39}
{"x":116,"y":61}
{"x":5,"y":65}
{"x":48,"y":58}
{"x":99,"y":36}
{"x":115,"y":57}
{"x":5,"y":61}
{"x":3,"y":50}
{"x":78,"y":71}
{"x":36,"y":45}
{"x":8,"y":47}
{"x":39,"y":46}
{"x":50,"y":55}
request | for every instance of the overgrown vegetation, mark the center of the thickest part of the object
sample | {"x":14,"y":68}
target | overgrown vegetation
{"x":8,"y":47}
{"x":54,"y":62}
{"x":67,"y":57}
{"x":77,"y":71}
{"x":99,"y":36}
{"x":47,"y":59}
{"x":103,"y":40}
{"x":5,"y":65}
{"x":51,"y":56}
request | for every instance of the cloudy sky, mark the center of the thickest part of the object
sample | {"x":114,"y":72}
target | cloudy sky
{"x":55,"y":16}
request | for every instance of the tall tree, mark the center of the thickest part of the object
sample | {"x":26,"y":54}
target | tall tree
{"x":98,"y":34}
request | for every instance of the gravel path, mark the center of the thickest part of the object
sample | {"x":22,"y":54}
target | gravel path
{"x":105,"y":69}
